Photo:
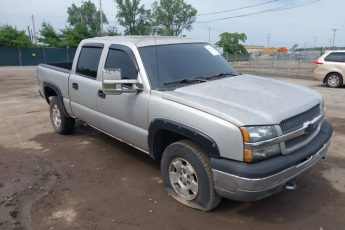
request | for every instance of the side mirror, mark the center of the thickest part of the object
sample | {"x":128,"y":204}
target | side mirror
{"x":112,"y":83}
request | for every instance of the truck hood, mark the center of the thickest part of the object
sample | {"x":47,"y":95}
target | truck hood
{"x":246,"y":99}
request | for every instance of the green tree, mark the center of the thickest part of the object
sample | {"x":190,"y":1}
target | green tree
{"x":49,"y":36}
{"x":84,"y":22}
{"x":72,"y":36}
{"x":171,"y":17}
{"x":231,"y":42}
{"x":11,"y":37}
{"x":133,"y":16}
{"x":112,"y":31}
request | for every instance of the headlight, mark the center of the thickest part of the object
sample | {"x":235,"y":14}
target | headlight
{"x":254,"y":134}
{"x":258,"y":133}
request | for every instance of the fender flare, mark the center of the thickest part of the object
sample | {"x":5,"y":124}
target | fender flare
{"x":201,"y":138}
{"x":58,"y":93}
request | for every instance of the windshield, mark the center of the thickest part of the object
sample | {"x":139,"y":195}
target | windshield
{"x":179,"y":62}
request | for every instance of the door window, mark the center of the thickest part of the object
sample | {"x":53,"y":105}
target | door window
{"x":118,"y":59}
{"x":336,"y":57}
{"x":88,"y":61}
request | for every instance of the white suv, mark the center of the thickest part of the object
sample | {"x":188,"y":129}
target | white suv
{"x":330,"y":68}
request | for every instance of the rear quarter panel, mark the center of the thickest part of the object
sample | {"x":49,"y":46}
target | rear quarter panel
{"x":57,"y":78}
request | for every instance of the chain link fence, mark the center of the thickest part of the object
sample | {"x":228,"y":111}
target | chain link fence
{"x":33,"y":56}
{"x":298,"y":64}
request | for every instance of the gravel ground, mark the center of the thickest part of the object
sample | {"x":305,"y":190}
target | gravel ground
{"x":87,"y":180}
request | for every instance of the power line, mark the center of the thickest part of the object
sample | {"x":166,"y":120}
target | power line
{"x":260,"y":12}
{"x":240,"y":8}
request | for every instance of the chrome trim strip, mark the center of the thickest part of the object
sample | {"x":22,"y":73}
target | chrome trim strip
{"x":119,"y":139}
{"x":284,"y":137}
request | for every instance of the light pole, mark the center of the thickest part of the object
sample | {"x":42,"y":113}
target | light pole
{"x":101,"y":15}
{"x":334,"y":30}
{"x":34,"y":38}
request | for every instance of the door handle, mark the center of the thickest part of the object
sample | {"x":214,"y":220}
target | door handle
{"x":75,"y":86}
{"x":101,"y":94}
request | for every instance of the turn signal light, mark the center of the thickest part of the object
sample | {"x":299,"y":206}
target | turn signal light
{"x":248,"y":156}
{"x":245,"y":134}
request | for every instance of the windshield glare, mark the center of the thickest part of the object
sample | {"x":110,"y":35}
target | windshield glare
{"x":169,"y":63}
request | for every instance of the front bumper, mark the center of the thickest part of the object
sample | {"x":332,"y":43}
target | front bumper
{"x":248,"y":182}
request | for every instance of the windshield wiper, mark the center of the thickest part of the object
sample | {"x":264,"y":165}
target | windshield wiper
{"x":198,"y":79}
{"x":220,"y":75}
{"x":186,"y":81}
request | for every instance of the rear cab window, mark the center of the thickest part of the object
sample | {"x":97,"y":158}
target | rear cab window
{"x":88,"y":61}
{"x":336,"y":57}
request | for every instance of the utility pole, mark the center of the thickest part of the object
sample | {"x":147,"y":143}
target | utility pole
{"x":334,"y":30}
{"x":101,"y":15}
{"x":209,"y":35}
{"x":315,"y":39}
{"x":29,"y":34}
{"x":34,"y":28}
{"x":268,"y":40}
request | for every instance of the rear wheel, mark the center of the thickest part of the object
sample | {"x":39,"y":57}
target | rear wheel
{"x":62,"y":124}
{"x":334,"y":80}
{"x":187,"y":175}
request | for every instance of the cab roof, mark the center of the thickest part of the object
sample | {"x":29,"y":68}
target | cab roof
{"x":141,"y":41}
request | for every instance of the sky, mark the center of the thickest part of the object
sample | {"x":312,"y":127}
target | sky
{"x":308,"y":25}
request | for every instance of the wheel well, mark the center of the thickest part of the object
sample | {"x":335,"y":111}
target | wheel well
{"x":49,"y":92}
{"x":324,"y":80}
{"x":162,"y":139}
{"x":163,"y":132}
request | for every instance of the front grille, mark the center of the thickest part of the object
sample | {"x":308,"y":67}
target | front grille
{"x":296,"y":122}
{"x":295,"y":141}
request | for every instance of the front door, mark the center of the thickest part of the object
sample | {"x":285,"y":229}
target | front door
{"x":124,"y":116}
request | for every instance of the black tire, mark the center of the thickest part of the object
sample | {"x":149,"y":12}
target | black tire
{"x":206,"y":198}
{"x":334,"y":80}
{"x":66,"y":123}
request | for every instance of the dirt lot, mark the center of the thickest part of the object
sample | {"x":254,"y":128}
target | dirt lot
{"x":89,"y":181}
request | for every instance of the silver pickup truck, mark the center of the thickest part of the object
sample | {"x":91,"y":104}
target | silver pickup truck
{"x":216,"y":133}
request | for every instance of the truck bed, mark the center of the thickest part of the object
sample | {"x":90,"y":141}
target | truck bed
{"x":59,"y":66}
{"x":56,"y":74}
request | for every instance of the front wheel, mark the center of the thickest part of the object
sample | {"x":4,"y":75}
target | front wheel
{"x":187,"y":175}
{"x":334,"y":80}
{"x":62,"y":124}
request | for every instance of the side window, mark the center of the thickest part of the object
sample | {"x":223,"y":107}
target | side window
{"x":88,"y":61}
{"x":336,"y":57}
{"x":118,"y":59}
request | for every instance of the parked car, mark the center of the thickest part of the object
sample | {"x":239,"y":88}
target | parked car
{"x":330,"y":68}
{"x":215,"y":133}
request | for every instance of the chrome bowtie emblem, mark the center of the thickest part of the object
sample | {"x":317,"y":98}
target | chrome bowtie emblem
{"x":309,"y":127}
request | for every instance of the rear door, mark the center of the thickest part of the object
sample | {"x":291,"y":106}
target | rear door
{"x":335,"y":62}
{"x":84,"y":85}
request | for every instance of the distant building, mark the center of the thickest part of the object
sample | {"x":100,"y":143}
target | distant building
{"x":268,"y":51}
{"x":261,"y":50}
{"x":254,"y":49}
{"x":284,"y":50}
